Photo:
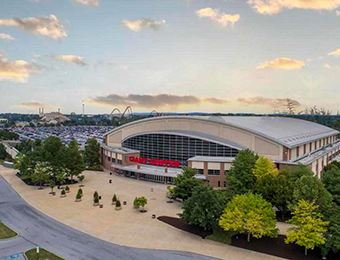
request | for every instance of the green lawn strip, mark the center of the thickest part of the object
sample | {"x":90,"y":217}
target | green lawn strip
{"x":43,"y":255}
{"x":221,"y":236}
{"x":6,"y":232}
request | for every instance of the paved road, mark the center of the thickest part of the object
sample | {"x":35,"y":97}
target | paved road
{"x":36,"y":228}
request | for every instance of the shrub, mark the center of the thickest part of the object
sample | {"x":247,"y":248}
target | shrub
{"x":95,"y":195}
{"x":80,"y":191}
{"x":118,"y":204}
{"x":63,"y":192}
{"x":78,"y":197}
{"x":114,"y":198}
{"x":95,"y":168}
{"x":96,"y":200}
{"x":67,"y":188}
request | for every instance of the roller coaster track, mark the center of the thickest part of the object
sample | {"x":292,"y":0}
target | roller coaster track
{"x":120,"y":115}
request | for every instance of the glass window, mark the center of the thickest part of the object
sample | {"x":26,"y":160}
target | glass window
{"x":176,"y":147}
{"x":199,"y":171}
{"x":213,"y":172}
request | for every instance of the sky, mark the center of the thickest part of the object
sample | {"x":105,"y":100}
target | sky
{"x":169,"y":55}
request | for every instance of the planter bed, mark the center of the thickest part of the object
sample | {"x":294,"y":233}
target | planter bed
{"x":277,"y":247}
{"x":182,"y":225}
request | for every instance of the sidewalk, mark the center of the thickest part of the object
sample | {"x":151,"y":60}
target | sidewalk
{"x":128,"y":226}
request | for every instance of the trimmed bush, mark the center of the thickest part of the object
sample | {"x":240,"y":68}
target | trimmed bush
{"x":114,"y":198}
{"x":95,"y":195}
{"x":118,"y":204}
{"x":80,"y":191}
{"x":67,"y":189}
{"x":78,"y":197}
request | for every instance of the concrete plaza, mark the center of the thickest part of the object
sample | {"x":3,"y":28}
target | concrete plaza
{"x":127,"y":227}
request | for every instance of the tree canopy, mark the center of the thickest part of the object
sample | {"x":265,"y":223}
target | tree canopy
{"x":241,"y":178}
{"x":74,"y":161}
{"x":91,"y":153}
{"x":308,"y":227}
{"x":310,"y":188}
{"x":264,"y":167}
{"x":185,"y":183}
{"x":204,"y":207}
{"x":276,"y":189}
{"x":331,"y":180}
{"x":250,"y":214}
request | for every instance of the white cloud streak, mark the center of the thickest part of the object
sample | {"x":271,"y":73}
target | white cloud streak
{"x":7,"y":37}
{"x":73,"y":59}
{"x":93,"y":3}
{"x":46,"y":26}
{"x":276,"y":6}
{"x":216,"y":16}
{"x":282,"y":64}
{"x":140,"y":24}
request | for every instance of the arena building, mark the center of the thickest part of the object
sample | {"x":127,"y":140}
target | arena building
{"x":156,"y":149}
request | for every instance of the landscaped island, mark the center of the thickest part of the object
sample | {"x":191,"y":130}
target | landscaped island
{"x":42,"y":255}
{"x":6,"y":232}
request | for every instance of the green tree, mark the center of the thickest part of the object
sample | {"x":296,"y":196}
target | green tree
{"x":308,"y":227}
{"x":276,"y":189}
{"x":81,"y":178}
{"x":91,"y":153}
{"x":263,"y":167}
{"x":250,"y":214}
{"x":310,"y":188}
{"x":332,"y":165}
{"x":203,"y":208}
{"x":42,"y":173}
{"x":74,"y":161}
{"x":240,"y":177}
{"x":333,"y":233}
{"x":331,"y":180}
{"x":296,"y":172}
{"x":185,"y":183}
{"x":52,"y":185}
{"x":142,"y":201}
{"x":3,"y":153}
{"x":53,"y":151}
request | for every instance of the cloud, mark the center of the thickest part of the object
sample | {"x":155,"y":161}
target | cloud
{"x":88,"y":2}
{"x":35,"y":104}
{"x":216,"y":16}
{"x":335,"y":53}
{"x":327,"y":66}
{"x":46,"y":26}
{"x":17,"y":70}
{"x":152,"y":101}
{"x":72,"y":58}
{"x":137,"y":25}
{"x":6,"y":37}
{"x":215,"y":101}
{"x":276,"y":6}
{"x":283,"y":64}
{"x":271,"y":102}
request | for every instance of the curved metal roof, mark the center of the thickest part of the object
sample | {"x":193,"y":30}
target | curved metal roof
{"x":286,"y":131}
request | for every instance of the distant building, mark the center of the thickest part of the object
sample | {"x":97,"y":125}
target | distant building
{"x":3,"y":121}
{"x":21,"y":124}
{"x":55,"y":117}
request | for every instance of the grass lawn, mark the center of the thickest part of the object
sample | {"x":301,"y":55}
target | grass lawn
{"x":221,"y":236}
{"x":6,"y":232}
{"x":2,"y":162}
{"x":43,"y":255}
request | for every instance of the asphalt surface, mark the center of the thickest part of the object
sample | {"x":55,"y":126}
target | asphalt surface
{"x":37,"y":229}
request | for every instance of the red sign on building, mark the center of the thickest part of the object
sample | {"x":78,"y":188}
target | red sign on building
{"x":156,"y":162}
